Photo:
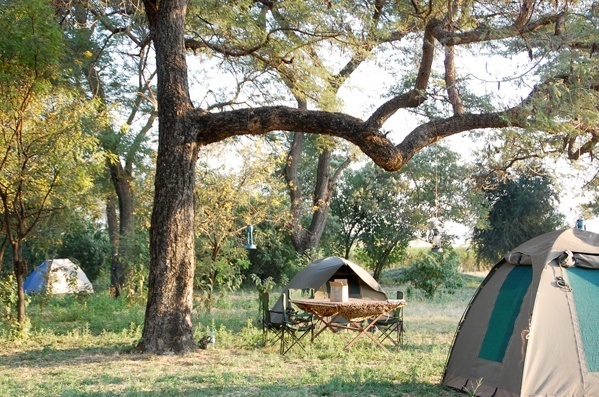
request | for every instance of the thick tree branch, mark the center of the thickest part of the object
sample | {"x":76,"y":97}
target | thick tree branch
{"x":592,"y":47}
{"x":450,"y":71}
{"x":415,"y":97}
{"x":574,"y":153}
{"x":216,"y":127}
{"x":451,"y":82}
{"x":449,"y":38}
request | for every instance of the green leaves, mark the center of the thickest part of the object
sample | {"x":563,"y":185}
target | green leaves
{"x":521,"y":208}
{"x":31,"y":41}
{"x":431,"y":272}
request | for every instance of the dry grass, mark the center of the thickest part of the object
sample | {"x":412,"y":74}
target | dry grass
{"x":81,"y":361}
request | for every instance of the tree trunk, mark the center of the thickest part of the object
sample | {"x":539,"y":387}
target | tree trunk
{"x":306,"y":239}
{"x":122,"y":187}
{"x":116,"y":274}
{"x":323,"y":190}
{"x":123,"y":225}
{"x":3,"y":247}
{"x":167,"y":326}
{"x":20,"y":268}
{"x":295,"y":192}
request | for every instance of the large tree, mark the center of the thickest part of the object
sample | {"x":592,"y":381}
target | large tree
{"x":521,"y":207}
{"x":183,"y":129}
{"x":43,"y":142}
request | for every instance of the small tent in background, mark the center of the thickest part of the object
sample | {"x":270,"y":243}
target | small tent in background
{"x":57,"y":276}
{"x":317,"y":275}
{"x":532,"y":327}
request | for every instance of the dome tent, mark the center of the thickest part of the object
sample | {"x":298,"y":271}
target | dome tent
{"x":532,"y":327}
{"x":317,"y":275}
{"x":57,"y":276}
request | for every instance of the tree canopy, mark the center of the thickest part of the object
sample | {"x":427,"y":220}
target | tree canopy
{"x":521,"y":207}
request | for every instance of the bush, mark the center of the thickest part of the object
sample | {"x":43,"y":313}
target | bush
{"x":434,"y":270}
{"x":9,"y":324}
{"x":275,"y":256}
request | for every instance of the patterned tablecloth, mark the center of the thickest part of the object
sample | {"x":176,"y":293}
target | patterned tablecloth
{"x":353,"y":309}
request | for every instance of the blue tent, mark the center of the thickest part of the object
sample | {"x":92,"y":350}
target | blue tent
{"x":57,"y":276}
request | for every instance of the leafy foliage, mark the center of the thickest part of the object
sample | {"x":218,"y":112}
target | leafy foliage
{"x":31,"y":45}
{"x":8,"y":308}
{"x":274,"y":256}
{"x":44,"y":124}
{"x":381,"y":213}
{"x":135,"y":257}
{"x":521,"y":208}
{"x":433,"y":271}
{"x":229,"y":200}
{"x":389,"y":227}
{"x":442,"y":188}
{"x":88,"y":247}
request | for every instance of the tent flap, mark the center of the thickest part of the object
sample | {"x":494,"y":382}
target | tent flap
{"x":587,"y":261}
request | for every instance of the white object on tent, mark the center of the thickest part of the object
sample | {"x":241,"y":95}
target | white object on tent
{"x":531,"y":328}
{"x":57,"y":276}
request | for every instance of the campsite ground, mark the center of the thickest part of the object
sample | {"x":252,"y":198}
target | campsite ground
{"x":83,"y":348}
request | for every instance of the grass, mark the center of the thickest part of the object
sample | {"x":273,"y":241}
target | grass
{"x":83,"y":348}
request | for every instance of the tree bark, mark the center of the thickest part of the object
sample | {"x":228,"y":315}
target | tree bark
{"x":122,"y":187}
{"x":305,"y":239}
{"x":167,"y":326}
{"x":116,"y":279}
{"x":295,"y":192}
{"x":3,"y":247}
{"x":20,"y":268}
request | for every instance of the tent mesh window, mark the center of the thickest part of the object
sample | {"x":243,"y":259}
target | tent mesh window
{"x":505,"y":312}
{"x":584,"y":283}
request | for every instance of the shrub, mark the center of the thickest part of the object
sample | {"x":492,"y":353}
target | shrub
{"x":8,"y":308}
{"x":434,"y":270}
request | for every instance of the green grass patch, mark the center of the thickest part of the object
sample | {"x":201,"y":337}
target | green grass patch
{"x":82,"y":347}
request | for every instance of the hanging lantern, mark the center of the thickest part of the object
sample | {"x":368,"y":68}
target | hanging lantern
{"x":250,"y":238}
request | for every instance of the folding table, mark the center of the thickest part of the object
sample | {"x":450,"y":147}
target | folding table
{"x":354,"y":311}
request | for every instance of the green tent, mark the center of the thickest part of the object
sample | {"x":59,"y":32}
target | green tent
{"x":532,"y":327}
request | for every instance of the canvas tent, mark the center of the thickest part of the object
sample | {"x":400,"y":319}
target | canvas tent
{"x":57,"y":276}
{"x":532,"y":327}
{"x":318,"y":274}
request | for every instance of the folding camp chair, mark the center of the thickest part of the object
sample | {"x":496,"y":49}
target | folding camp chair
{"x":267,"y":325}
{"x":392,"y":326}
{"x":300,"y":316}
{"x":295,"y":327}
